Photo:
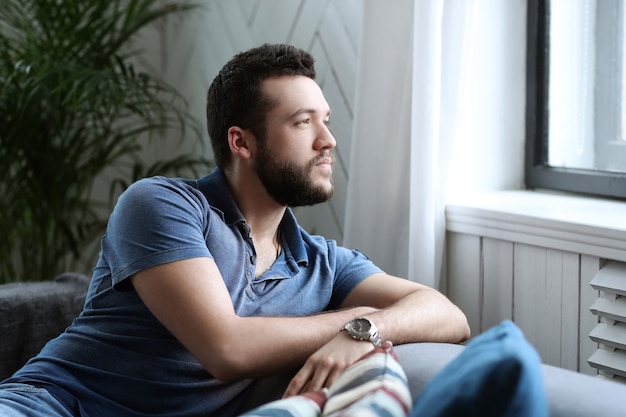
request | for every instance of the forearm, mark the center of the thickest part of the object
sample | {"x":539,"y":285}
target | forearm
{"x":268,"y":345}
{"x":419,"y":314}
{"x":424,"y":315}
{"x":410,"y":312}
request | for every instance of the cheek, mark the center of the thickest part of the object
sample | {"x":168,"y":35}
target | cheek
{"x":296,"y":147}
{"x":288,"y":151}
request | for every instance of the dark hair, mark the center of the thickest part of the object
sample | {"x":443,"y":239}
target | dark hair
{"x":235,"y":97}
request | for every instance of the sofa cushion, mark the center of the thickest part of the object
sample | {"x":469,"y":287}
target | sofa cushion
{"x":31,"y":313}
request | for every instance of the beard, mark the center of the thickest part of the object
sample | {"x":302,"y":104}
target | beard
{"x":290,"y":184}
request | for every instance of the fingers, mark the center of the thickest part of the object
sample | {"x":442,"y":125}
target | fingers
{"x":315,"y":375}
{"x":325,"y":365}
{"x":325,"y":373}
{"x":299,"y":383}
{"x":332,"y":376}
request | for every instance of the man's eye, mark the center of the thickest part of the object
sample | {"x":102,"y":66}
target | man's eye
{"x":305,"y":121}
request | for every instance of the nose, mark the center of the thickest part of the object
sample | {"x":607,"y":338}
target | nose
{"x":325,"y":139}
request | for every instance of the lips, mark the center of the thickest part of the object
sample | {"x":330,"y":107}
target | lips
{"x":324,"y":160}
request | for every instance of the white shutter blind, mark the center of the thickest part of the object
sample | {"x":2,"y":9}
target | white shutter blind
{"x":610,"y":332}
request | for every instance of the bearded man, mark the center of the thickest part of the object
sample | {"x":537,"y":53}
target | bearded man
{"x":203,"y":285}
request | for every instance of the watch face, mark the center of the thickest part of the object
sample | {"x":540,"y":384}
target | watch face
{"x":363,"y":329}
{"x":361,"y":326}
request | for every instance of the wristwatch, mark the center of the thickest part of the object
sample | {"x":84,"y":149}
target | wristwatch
{"x":363,"y":329}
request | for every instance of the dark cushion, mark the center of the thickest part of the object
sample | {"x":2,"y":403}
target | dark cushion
{"x":32,"y":313}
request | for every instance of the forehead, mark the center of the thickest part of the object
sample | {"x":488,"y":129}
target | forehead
{"x":292,"y":94}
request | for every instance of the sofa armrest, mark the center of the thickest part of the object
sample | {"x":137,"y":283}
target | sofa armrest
{"x":31,"y":313}
{"x":572,"y":394}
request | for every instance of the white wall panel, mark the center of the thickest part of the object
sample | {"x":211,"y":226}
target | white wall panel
{"x":497,"y":282}
{"x":570,"y":310}
{"x":539,"y":288}
{"x":464,"y":276}
{"x":529,"y":310}
{"x":589,"y":267}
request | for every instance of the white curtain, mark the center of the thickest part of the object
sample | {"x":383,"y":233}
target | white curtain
{"x":408,"y":113}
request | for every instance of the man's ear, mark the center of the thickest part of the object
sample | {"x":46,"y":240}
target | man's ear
{"x":240,"y":141}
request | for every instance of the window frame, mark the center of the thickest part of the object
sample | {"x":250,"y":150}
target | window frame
{"x":538,"y":174}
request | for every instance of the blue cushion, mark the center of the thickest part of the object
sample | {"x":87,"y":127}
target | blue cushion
{"x":497,"y":374}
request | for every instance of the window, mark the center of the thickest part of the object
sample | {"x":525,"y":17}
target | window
{"x":576,"y":96}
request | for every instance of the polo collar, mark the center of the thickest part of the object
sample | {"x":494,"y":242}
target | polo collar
{"x":216,"y":190}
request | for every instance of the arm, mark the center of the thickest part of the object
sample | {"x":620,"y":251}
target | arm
{"x":190,"y":299}
{"x":406,"y":312}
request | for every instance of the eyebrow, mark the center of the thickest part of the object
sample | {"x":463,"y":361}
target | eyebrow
{"x":305,"y":111}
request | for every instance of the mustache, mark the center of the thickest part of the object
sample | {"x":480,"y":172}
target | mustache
{"x":326,"y":155}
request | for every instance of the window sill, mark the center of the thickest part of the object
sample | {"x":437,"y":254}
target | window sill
{"x":584,"y":225}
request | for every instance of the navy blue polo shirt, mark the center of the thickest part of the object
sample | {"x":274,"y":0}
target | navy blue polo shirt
{"x":117,"y":359}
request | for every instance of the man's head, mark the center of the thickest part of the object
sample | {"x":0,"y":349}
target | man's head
{"x":268,"y":95}
{"x":236,"y":98}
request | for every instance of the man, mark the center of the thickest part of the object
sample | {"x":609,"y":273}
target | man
{"x":202,"y":286}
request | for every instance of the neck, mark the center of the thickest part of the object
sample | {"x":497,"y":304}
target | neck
{"x":261,"y":212}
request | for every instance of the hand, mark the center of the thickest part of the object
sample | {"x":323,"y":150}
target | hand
{"x":325,"y":365}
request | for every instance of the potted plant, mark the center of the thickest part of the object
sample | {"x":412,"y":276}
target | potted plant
{"x":73,"y":107}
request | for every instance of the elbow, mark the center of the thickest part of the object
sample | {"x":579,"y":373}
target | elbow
{"x":226,"y":375}
{"x":463,"y":332}
{"x":228,"y":365}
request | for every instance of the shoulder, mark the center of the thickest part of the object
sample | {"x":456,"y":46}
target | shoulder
{"x":161,"y":190}
{"x":155,"y":220}
{"x":152,"y":186}
{"x":317,"y":245}
{"x":159,"y":200}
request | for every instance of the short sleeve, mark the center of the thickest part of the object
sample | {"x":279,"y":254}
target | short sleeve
{"x":155,"y":221}
{"x":351,"y":268}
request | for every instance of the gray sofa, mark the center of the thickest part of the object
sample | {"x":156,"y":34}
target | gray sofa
{"x":33,"y":313}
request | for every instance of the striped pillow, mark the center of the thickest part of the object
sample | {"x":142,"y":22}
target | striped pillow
{"x":305,"y":405}
{"x":375,"y":385}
